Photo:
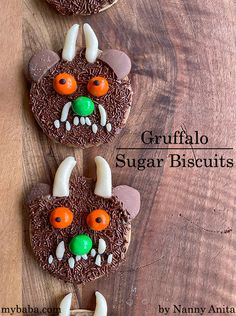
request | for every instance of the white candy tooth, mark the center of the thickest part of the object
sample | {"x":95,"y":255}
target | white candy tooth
{"x":109,"y":127}
{"x":85,"y":257}
{"x":76,"y":121}
{"x":50,"y":259}
{"x":98,"y":260}
{"x":82,"y":120}
{"x":68,"y":126}
{"x":71,"y":262}
{"x":109,"y":259}
{"x":93,"y":253}
{"x":87,"y":121}
{"x":60,"y":250}
{"x":57,"y":123}
{"x":94,"y":128}
{"x":78,"y":258}
{"x":101,"y":246}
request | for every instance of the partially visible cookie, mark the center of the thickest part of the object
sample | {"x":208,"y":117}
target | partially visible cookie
{"x":81,"y":7}
{"x":100,"y":309}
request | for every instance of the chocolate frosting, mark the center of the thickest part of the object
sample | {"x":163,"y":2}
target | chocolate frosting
{"x":82,"y":200}
{"x":47,"y":104}
{"x":83,"y":7}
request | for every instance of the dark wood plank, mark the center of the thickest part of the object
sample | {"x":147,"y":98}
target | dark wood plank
{"x":183,"y":242}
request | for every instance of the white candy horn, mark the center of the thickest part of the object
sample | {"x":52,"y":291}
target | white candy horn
{"x":69,"y":50}
{"x":101,"y":305}
{"x":62,"y":177}
{"x":65,"y":305}
{"x":91,"y":44}
{"x":103,"y":186}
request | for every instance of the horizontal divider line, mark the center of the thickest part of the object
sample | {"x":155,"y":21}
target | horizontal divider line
{"x":177,"y":148}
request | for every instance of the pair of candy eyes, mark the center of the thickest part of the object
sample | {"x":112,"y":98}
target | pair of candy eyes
{"x":65,"y":84}
{"x":62,"y":217}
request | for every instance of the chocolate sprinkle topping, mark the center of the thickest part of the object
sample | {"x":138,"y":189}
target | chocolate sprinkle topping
{"x":47,"y":104}
{"x":45,"y":238}
{"x":83,"y":7}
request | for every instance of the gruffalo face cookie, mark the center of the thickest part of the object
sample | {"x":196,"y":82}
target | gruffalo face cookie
{"x":83,"y":98}
{"x":81,"y":231}
{"x":82,"y":7}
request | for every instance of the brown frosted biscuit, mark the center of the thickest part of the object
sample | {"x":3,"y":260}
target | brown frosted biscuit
{"x":82,"y":230}
{"x":81,"y":99}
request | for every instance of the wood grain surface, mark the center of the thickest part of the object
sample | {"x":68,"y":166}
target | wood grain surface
{"x":11,"y":154}
{"x":183,"y":76}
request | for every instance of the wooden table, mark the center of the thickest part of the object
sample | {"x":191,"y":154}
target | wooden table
{"x":183,"y":245}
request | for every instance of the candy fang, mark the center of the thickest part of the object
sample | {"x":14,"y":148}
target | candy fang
{"x":60,"y":250}
{"x":103,"y":115}
{"x":101,"y":246}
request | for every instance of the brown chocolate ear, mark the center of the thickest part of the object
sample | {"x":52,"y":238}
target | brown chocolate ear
{"x":118,"y":61}
{"x":41,"y":62}
{"x":38,"y":191}
{"x":130,"y":198}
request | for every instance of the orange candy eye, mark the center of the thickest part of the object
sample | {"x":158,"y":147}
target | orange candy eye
{"x":98,"y":86}
{"x":61,"y":217}
{"x":64,"y":84}
{"x":98,"y":220}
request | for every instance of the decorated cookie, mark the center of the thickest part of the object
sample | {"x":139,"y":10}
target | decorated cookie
{"x":82,"y":7}
{"x":100,"y":310}
{"x":81,"y":230}
{"x":83,"y":98}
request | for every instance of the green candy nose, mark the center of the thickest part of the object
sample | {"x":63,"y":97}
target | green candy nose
{"x":83,"y":106}
{"x":80,"y":245}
